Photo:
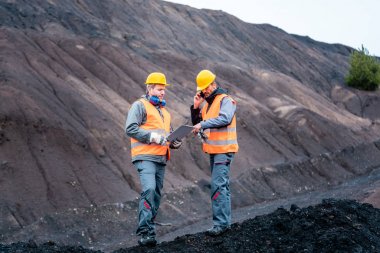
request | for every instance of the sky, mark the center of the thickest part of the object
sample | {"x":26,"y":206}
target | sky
{"x":350,"y":22}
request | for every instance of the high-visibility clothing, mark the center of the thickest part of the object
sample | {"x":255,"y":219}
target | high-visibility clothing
{"x":220,"y":140}
{"x":154,"y":123}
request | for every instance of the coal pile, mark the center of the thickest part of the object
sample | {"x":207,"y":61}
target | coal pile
{"x":49,"y":247}
{"x":332,"y":226}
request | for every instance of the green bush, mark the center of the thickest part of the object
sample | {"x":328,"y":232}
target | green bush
{"x":364,"y":71}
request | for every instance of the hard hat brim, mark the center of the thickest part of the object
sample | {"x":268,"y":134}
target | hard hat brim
{"x":165,"y":84}
{"x":202,"y":88}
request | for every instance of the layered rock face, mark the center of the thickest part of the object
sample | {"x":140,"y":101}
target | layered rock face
{"x":69,"y":71}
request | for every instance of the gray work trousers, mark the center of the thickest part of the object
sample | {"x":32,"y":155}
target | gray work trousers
{"x":220,"y":188}
{"x":152,"y":180}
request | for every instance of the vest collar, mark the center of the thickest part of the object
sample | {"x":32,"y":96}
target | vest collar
{"x":212,"y":96}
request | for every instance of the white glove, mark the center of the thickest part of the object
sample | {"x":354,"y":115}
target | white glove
{"x":157,"y":138}
{"x":175,"y":144}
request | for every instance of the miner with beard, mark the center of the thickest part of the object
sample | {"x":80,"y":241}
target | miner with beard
{"x":215,"y":122}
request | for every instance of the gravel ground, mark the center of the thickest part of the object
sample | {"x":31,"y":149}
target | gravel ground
{"x":331,"y":226}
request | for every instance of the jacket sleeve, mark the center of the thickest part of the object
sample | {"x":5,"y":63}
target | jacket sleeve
{"x":196,"y":116}
{"x":136,"y":117}
{"x":226,"y":114}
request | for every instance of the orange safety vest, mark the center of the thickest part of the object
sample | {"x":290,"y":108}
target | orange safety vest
{"x":220,"y":140}
{"x":154,"y":123}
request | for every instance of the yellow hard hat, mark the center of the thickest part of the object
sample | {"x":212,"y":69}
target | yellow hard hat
{"x":156,"y":78}
{"x":204,"y":79}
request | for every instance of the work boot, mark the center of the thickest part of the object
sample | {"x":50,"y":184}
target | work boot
{"x":147,"y":240}
{"x":217,"y":230}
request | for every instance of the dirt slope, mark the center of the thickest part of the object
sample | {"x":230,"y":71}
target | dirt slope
{"x":69,"y":71}
{"x":332,"y":226}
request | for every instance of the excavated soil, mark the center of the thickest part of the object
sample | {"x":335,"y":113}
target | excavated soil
{"x":68,"y":75}
{"x":331,"y":226}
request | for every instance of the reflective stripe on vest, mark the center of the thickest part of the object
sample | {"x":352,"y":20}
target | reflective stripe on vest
{"x":220,"y":140}
{"x":154,"y":123}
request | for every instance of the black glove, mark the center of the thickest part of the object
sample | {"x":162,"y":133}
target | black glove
{"x":175,"y":144}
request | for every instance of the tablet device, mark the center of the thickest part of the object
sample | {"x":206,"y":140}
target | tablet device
{"x":179,"y":133}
